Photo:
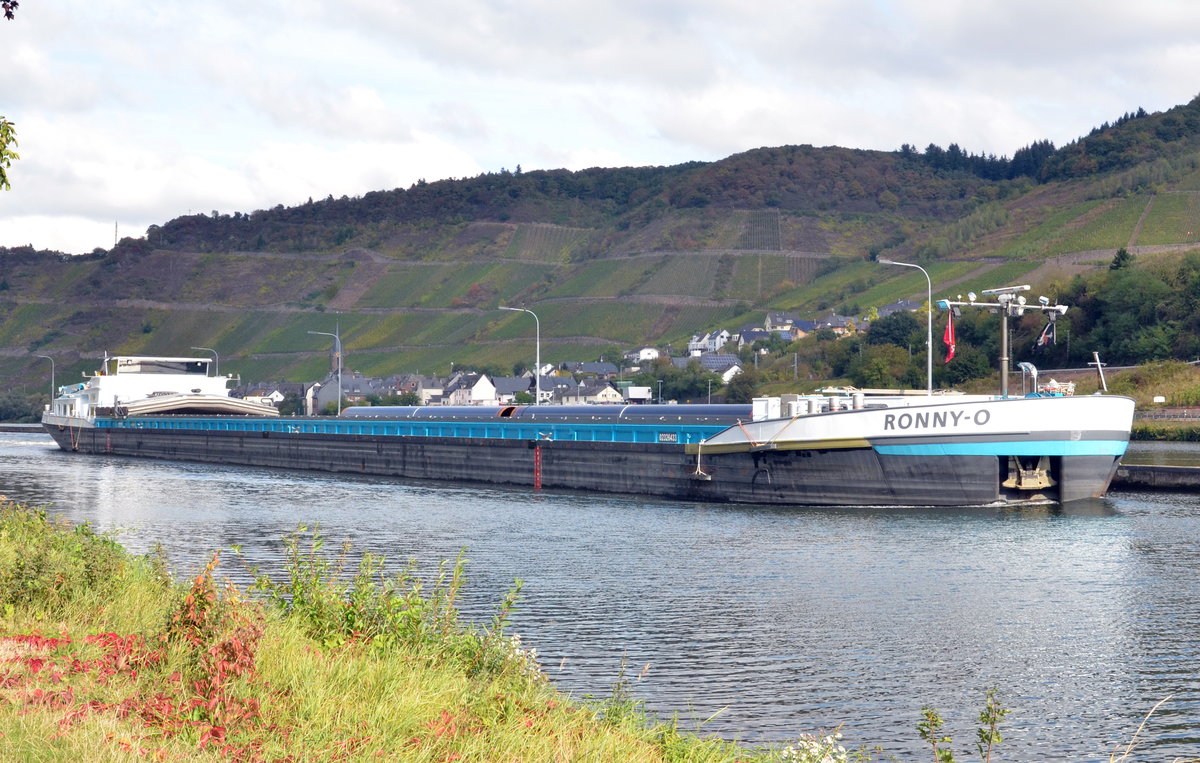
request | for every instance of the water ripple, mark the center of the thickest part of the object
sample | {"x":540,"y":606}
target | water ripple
{"x":757,"y":622}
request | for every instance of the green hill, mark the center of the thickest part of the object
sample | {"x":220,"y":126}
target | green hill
{"x":608,"y":258}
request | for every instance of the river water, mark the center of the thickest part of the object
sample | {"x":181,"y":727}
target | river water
{"x":775,"y":621}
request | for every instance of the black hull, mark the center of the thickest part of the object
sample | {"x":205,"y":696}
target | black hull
{"x":853,"y":476}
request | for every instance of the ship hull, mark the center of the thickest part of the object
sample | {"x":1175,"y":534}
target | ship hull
{"x":812,"y":476}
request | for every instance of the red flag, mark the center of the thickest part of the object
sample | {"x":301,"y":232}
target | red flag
{"x":948,"y":337}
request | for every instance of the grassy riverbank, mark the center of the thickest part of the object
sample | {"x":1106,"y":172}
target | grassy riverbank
{"x":104,"y":657}
{"x":1165,"y":430}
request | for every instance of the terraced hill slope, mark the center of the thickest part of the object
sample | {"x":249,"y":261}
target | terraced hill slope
{"x":608,"y":258}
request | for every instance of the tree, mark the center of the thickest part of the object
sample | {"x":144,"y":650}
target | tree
{"x":969,"y":363}
{"x":882,"y":366}
{"x":897,"y":328}
{"x":1123,"y":259}
{"x":691,"y":382}
{"x":8,"y":138}
{"x":291,"y":405}
{"x":16,"y":406}
{"x":742,"y":388}
{"x":8,"y":133}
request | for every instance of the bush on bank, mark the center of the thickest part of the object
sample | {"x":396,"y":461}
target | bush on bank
{"x":103,"y":657}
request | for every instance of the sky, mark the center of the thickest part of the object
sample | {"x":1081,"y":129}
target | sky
{"x":132,"y":112}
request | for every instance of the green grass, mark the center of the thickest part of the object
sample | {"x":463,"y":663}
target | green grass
{"x":107,"y":659}
{"x":436,"y":286}
{"x":404,"y":285}
{"x":1188,"y":182}
{"x":754,"y":275}
{"x":499,"y":280}
{"x":684,"y":275}
{"x":288,"y":332}
{"x":628,"y":325}
{"x":603,"y":278}
{"x":909,"y":283}
{"x":1172,"y":218}
{"x":23,"y":324}
{"x":175,"y":332}
{"x":1044,"y":239}
{"x":545,"y":243}
{"x":850,"y":279}
{"x":1109,"y":226}
{"x":1007,"y":274}
{"x":409,"y":329}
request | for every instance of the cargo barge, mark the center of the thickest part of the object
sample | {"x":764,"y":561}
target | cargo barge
{"x":837,"y":449}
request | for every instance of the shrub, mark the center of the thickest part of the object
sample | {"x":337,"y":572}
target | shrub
{"x":46,"y":562}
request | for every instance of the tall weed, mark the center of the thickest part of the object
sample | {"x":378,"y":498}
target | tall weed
{"x":381,"y":612}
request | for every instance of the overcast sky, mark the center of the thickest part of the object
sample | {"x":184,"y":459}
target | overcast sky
{"x":132,"y":112}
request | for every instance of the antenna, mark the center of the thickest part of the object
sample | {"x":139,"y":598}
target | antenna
{"x":1009,"y":305}
{"x":1006,"y":290}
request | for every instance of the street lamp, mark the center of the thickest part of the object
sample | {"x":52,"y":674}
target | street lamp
{"x":660,"y":391}
{"x":337,"y":348}
{"x":928,"y":322}
{"x":52,"y":389}
{"x":537,"y":336}
{"x":216,"y":359}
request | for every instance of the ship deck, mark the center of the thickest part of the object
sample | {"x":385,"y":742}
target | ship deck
{"x":659,"y":432}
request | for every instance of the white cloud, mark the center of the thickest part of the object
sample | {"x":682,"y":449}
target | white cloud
{"x":292,"y":172}
{"x":73,"y":234}
{"x":140,"y":111}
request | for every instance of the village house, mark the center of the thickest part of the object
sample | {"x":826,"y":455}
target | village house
{"x":426,"y":388}
{"x":469,"y":389}
{"x":711,"y":342}
{"x":596,"y":392}
{"x":904,"y":305}
{"x":841,"y":325}
{"x":600,"y":369}
{"x":507,"y":388}
{"x":724,"y":365}
{"x":270,"y":393}
{"x":357,"y":387}
{"x":776,"y":321}
{"x":644,"y":355}
{"x":555,"y":388}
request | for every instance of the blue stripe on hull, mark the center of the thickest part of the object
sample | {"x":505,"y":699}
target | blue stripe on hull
{"x":1015,"y":448}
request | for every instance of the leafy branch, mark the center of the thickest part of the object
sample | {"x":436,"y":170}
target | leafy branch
{"x":8,"y":137}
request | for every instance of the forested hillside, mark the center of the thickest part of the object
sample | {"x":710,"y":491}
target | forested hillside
{"x":615,"y":258}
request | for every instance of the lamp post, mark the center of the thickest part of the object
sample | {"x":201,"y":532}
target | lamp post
{"x":216,"y":359}
{"x":537,"y":350}
{"x":52,"y":388}
{"x":928,"y":322}
{"x":337,"y":348}
{"x":660,"y":391}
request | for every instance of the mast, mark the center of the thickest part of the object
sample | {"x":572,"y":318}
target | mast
{"x":1009,"y":303}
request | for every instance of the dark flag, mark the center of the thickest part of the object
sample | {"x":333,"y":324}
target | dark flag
{"x":1048,"y":335}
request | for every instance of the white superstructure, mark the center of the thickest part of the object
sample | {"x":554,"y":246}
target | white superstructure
{"x":134,"y":384}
